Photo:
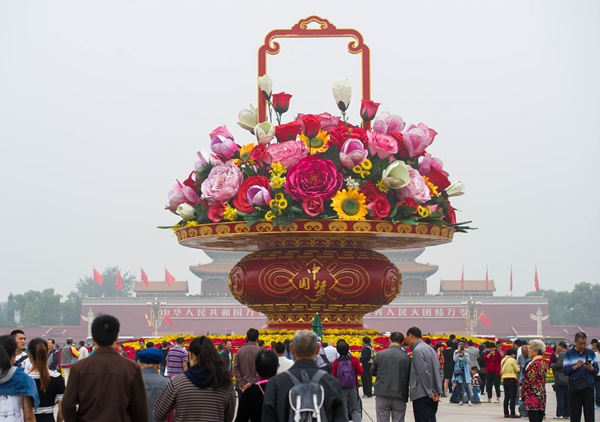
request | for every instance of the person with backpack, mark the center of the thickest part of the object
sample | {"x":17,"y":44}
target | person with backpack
{"x":304,"y":392}
{"x":391,"y":368}
{"x":346,"y":368}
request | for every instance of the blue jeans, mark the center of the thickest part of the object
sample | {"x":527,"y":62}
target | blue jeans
{"x":476,"y":391}
{"x":562,"y":400}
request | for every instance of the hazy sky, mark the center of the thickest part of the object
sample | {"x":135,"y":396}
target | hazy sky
{"x":104,"y":104}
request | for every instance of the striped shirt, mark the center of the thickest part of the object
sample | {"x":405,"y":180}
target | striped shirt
{"x":570,"y":360}
{"x":175,"y":359}
{"x":53,"y":394}
{"x":195,"y":404}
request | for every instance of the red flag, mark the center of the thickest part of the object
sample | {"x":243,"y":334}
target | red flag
{"x":168,"y":277}
{"x":487,"y":283}
{"x":119,"y":282}
{"x":462,"y":279}
{"x":167,"y":319}
{"x":144,"y":278}
{"x":511,"y":283}
{"x":98,"y":277}
{"x":484,"y":319}
{"x":148,"y":320}
{"x":536,"y":281}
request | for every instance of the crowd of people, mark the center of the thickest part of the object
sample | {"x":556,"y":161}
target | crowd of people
{"x":299,"y":379}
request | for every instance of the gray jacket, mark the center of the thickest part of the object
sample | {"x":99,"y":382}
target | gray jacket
{"x":473,"y":356}
{"x":424,"y":372}
{"x":392,"y":369}
{"x":154,"y":384}
{"x":560,"y":379}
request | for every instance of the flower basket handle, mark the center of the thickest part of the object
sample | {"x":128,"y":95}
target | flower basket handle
{"x":302,"y":30}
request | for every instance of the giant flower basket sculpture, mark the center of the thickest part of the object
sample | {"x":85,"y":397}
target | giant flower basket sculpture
{"x":313,"y":199}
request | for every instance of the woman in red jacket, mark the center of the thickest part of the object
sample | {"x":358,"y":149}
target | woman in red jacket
{"x":493,"y":360}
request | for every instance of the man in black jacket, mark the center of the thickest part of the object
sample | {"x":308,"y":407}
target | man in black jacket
{"x":366,"y":359}
{"x":276,"y":405}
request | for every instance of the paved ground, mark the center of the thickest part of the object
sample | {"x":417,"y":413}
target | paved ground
{"x":448,"y":412}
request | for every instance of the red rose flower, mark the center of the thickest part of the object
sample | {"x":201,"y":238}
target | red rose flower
{"x":215,"y":211}
{"x":408,"y":203}
{"x":379,"y":208}
{"x":313,"y":176}
{"x":287,"y":132}
{"x":371,"y":192}
{"x":368,"y":109}
{"x":281,"y":102}
{"x":402,"y":151}
{"x":343,"y":132}
{"x":438,"y":178}
{"x":241,"y":200}
{"x":311,"y":125}
{"x":260,"y":155}
{"x":313,"y":205}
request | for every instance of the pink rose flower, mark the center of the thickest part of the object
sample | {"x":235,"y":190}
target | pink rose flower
{"x":416,"y":139}
{"x":416,"y":189}
{"x":352,"y":153}
{"x":313,"y":176}
{"x":287,"y":153}
{"x":428,"y":162}
{"x":386,"y":123}
{"x":381,"y":144}
{"x":222,"y":183}
{"x":180,"y":194}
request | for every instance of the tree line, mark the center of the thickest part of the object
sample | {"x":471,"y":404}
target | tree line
{"x":573,"y":308}
{"x":36,"y":308}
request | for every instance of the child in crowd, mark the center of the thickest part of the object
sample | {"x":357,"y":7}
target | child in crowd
{"x":476,"y":384}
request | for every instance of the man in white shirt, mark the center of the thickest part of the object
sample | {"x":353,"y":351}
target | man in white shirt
{"x":21,"y":358}
{"x":83,"y":351}
{"x":284,"y":363}
{"x":331,"y":352}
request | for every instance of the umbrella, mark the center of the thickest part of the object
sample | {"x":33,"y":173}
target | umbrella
{"x":317,"y":326}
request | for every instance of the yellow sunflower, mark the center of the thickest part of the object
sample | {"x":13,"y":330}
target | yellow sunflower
{"x":349,"y":204}
{"x":319,"y":143}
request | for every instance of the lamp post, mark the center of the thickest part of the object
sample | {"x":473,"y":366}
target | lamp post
{"x":156,"y":315}
{"x":471,"y":315}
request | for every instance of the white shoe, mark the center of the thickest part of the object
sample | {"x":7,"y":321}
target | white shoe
{"x":461,"y":403}
{"x":470,"y":403}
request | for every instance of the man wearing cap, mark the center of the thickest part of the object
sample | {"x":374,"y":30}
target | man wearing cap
{"x":150,"y":359}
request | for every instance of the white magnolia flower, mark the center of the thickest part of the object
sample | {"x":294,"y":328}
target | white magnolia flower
{"x":342,"y":92}
{"x":248,"y":118}
{"x":396,"y":175}
{"x":185,"y":211}
{"x":265,"y":83}
{"x":455,"y":189}
{"x":264,"y":132}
